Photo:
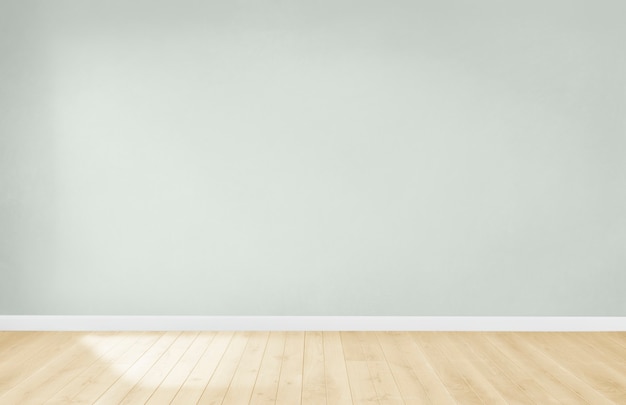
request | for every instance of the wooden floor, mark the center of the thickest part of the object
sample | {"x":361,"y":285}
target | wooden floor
{"x":312,"y":367}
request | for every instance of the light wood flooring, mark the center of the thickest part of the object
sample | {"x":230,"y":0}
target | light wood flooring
{"x":312,"y":367}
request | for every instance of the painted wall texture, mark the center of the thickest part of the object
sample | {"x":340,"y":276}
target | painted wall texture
{"x":313,"y":157}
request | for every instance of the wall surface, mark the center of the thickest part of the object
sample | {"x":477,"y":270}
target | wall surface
{"x":301,"y":157}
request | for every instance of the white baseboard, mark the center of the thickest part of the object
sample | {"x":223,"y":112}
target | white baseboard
{"x":303,"y":323}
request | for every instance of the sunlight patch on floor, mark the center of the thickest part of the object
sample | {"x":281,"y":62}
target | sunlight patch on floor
{"x":151,"y":368}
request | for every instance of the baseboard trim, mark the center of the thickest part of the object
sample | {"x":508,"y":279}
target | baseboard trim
{"x":303,"y":323}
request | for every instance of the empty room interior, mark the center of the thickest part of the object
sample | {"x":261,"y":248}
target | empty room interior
{"x":312,"y":202}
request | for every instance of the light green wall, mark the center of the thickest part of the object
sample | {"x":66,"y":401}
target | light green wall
{"x":313,"y":157}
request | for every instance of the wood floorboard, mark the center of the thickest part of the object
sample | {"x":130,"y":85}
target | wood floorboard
{"x":60,"y":370}
{"x":11,"y":340}
{"x":26,"y":356}
{"x":244,"y":379}
{"x":134,"y":376}
{"x":524,"y":377}
{"x":116,"y":372}
{"x":551,"y":379}
{"x":170,"y":386}
{"x":453,"y":377}
{"x":194,"y":385}
{"x":153,"y":378}
{"x":603,"y":378}
{"x":563,"y":374}
{"x":93,"y":376}
{"x":335,"y":373}
{"x":266,"y":384}
{"x":508,"y":388}
{"x":290,"y":380}
{"x":312,"y":368}
{"x":217,"y":386}
{"x":409,"y":384}
{"x":473,"y":375}
{"x":313,"y":371}
{"x":436,"y":391}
